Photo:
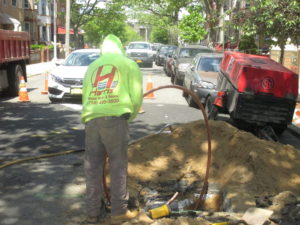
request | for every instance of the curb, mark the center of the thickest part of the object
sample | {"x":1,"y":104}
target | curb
{"x":33,"y":75}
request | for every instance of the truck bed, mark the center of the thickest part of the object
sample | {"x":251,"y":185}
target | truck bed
{"x":14,"y":46}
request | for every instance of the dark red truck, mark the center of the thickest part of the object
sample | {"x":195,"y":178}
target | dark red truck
{"x":14,"y":55}
{"x":255,"y":91}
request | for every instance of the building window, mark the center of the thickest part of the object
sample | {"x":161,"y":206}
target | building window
{"x":14,"y":3}
{"x":44,"y":33}
{"x":26,"y":4}
{"x":43,"y":7}
{"x":27,"y":27}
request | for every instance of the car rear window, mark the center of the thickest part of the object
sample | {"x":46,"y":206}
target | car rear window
{"x":192,"y":52}
{"x":139,"y":46}
{"x":209,"y":64}
{"x":81,"y":58}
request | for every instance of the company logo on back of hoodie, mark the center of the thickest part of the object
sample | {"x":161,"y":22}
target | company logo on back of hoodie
{"x":103,"y":85}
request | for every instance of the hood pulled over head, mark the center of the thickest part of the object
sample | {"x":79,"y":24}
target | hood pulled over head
{"x":112,"y":44}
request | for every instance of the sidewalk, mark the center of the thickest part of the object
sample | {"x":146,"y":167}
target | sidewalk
{"x":39,"y":68}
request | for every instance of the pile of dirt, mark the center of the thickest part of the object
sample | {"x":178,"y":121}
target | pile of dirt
{"x":244,"y":166}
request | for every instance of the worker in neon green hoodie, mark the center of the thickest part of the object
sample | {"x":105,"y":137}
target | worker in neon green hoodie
{"x":112,"y":96}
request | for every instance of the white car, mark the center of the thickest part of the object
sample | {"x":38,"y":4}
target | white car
{"x":141,"y":53}
{"x":65,"y":80}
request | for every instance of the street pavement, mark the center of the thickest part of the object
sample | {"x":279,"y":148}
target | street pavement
{"x":46,"y":67}
{"x":51,"y":191}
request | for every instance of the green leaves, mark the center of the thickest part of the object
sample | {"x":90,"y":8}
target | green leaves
{"x":277,"y":19}
{"x":191,"y":27}
{"x":105,"y":21}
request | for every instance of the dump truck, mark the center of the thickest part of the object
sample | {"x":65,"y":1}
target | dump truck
{"x":255,"y":91}
{"x":14,"y":55}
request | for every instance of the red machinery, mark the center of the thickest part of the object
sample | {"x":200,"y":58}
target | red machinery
{"x":256,"y":91}
{"x":14,"y":55}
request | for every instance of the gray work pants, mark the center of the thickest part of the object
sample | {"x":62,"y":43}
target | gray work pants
{"x":106,"y":135}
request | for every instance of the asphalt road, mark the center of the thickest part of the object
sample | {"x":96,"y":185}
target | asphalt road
{"x":50,"y":191}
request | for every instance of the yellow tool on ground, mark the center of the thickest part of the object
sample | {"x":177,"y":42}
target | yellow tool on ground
{"x":163,"y":210}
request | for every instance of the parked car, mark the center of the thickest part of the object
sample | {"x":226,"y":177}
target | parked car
{"x":161,"y":55}
{"x":182,"y":58}
{"x":168,"y":66}
{"x":65,"y":80}
{"x":141,"y":53}
{"x":155,"y":47}
{"x":201,"y":76}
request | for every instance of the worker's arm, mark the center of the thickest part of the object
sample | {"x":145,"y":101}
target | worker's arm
{"x":135,"y":89}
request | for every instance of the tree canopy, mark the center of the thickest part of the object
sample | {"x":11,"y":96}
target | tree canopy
{"x":192,"y":26}
{"x":276,"y":19}
{"x":108,"y":20}
{"x":81,"y":12}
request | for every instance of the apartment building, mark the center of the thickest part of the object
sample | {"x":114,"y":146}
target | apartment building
{"x":45,"y":14}
{"x":33,"y":16}
{"x":19,"y":15}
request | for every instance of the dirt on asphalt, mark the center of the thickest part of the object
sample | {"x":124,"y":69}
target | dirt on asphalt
{"x":243,"y":167}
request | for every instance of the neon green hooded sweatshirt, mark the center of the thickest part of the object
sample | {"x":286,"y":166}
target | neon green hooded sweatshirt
{"x":112,"y":85}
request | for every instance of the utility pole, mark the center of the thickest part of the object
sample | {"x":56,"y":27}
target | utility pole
{"x":54,"y":29}
{"x":67,"y":40}
{"x":221,"y":37}
{"x":146,"y":28}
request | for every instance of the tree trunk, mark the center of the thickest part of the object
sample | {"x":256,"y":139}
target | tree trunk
{"x":76,"y":38}
{"x":213,"y":34}
{"x":282,"y":47}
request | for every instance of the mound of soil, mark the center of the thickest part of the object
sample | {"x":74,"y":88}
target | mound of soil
{"x":242,"y":165}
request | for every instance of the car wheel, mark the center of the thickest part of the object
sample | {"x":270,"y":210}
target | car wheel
{"x":177,"y":81}
{"x":210,"y":109}
{"x":191,"y":102}
{"x":184,"y":94}
{"x":165,"y":71}
{"x":14,"y":79}
{"x":172,"y":78}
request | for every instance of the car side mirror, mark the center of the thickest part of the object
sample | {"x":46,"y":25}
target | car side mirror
{"x":59,"y":62}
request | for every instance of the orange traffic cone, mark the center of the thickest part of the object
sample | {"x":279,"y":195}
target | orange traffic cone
{"x":45,"y":91}
{"x":149,"y":87}
{"x":23,"y":94}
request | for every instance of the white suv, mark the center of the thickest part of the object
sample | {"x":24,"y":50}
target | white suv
{"x":140,"y":52}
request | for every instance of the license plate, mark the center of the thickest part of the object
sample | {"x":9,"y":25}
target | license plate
{"x":139,"y":61}
{"x":76,"y":91}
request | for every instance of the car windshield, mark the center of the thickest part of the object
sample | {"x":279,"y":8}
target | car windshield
{"x":139,"y":46}
{"x":192,"y":52}
{"x":209,"y":64}
{"x":164,"y":49}
{"x":81,"y":58}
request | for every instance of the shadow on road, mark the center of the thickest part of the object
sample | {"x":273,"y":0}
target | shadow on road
{"x":51,"y":190}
